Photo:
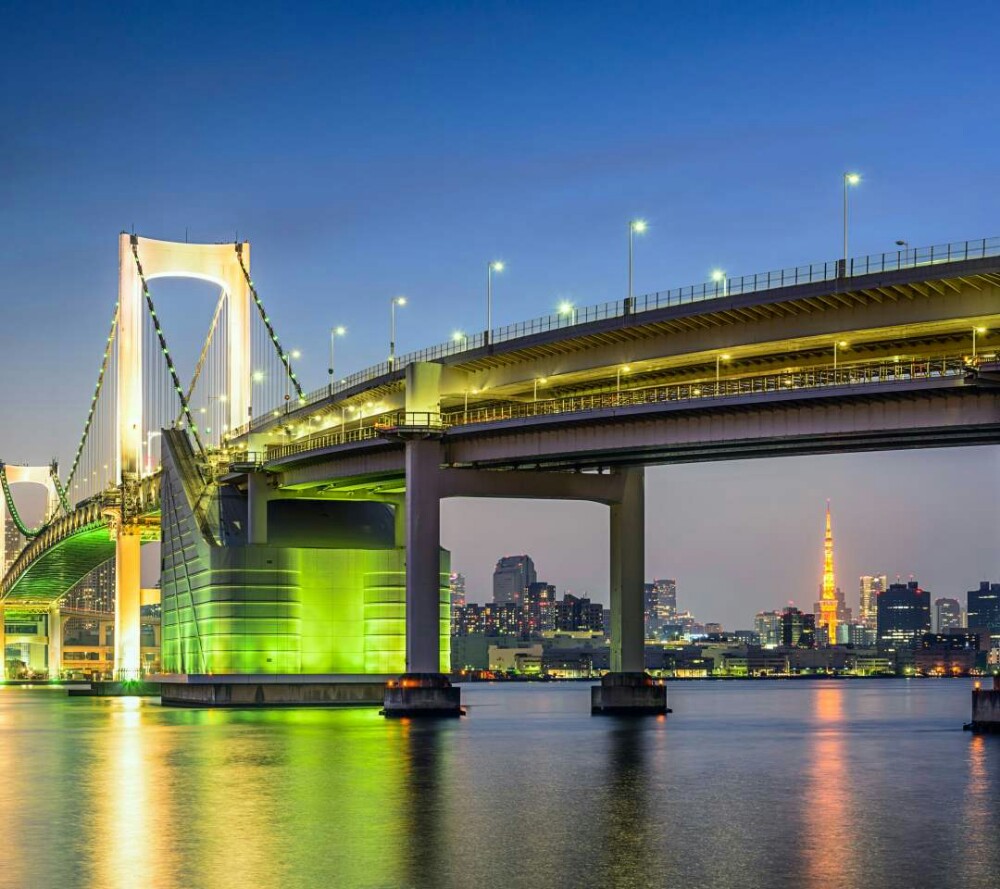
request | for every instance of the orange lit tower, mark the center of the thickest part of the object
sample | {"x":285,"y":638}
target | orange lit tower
{"x":828,"y":598}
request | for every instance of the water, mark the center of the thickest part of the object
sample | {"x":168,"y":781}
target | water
{"x":799,"y":784}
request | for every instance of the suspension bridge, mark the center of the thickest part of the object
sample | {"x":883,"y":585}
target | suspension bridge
{"x":300,"y":530}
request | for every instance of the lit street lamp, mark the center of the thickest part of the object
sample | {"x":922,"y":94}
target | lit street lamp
{"x":460,"y":336}
{"x":624,"y":369}
{"x":334,"y":333}
{"x":538,"y":380}
{"x":719,"y":276}
{"x":494,"y":266}
{"x":849,"y":180}
{"x":839,"y":344}
{"x":718,"y":360}
{"x":976,"y":330}
{"x":567,"y":308}
{"x":396,"y":301}
{"x":635,"y":226}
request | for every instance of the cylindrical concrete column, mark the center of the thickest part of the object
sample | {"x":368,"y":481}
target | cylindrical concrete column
{"x":55,"y":641}
{"x":258,"y":495}
{"x":628,"y":558}
{"x":128,"y":600}
{"x":423,"y":560}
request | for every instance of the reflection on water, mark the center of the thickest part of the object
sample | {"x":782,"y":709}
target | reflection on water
{"x":825,"y":784}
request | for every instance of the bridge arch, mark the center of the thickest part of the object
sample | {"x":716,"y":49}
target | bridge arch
{"x":30,"y":475}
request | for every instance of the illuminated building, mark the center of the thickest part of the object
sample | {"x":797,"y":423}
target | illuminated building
{"x":456,"y":587}
{"x":539,"y":607}
{"x":947,"y":614}
{"x":830,"y":604}
{"x":767,"y":625}
{"x":665,"y":590}
{"x":983,"y":606}
{"x":96,"y":592}
{"x":511,"y":578}
{"x":13,"y":541}
{"x":947,"y":654}
{"x":904,"y":615}
{"x":870,"y":586}
{"x":574,"y":613}
{"x":798,"y":630}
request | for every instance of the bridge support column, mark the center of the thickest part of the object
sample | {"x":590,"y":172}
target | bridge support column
{"x":423,"y":690}
{"x":128,"y":582}
{"x":628,"y":688}
{"x":3,"y":644}
{"x":55,"y":641}
{"x":258,"y":496}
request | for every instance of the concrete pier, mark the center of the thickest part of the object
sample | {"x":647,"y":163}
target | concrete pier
{"x":623,"y":694}
{"x":986,"y":708}
{"x":422,"y":694}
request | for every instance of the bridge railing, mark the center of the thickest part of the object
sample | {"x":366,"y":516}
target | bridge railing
{"x":854,"y":374}
{"x":894,"y":260}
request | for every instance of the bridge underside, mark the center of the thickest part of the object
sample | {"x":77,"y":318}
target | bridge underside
{"x":59,"y":568}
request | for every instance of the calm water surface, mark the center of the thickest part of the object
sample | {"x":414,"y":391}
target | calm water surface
{"x":805,"y":784}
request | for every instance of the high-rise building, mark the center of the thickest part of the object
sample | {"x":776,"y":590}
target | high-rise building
{"x":579,"y":614}
{"x":947,"y":615}
{"x":539,"y":607}
{"x":798,"y":630}
{"x":13,"y":541}
{"x":666,"y":600}
{"x":983,"y":606}
{"x":871,"y":585}
{"x":95,"y":592}
{"x":829,"y":604}
{"x":904,"y":615}
{"x":457,"y":586}
{"x":511,"y":578}
{"x":767,"y":625}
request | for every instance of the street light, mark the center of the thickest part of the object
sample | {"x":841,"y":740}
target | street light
{"x":491,"y":267}
{"x":839,"y":344}
{"x":538,"y":380}
{"x":256,"y":377}
{"x":459,"y":336}
{"x":567,"y":308}
{"x":976,"y":330}
{"x":849,"y":180}
{"x":339,"y":330}
{"x":623,"y":369}
{"x":718,"y":360}
{"x":635,"y":226}
{"x":719,"y":276}
{"x":396,"y":301}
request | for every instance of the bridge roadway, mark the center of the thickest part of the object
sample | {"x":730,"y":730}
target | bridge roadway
{"x":894,"y":359}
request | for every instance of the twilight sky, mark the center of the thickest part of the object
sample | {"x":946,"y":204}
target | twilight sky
{"x":370,"y":149}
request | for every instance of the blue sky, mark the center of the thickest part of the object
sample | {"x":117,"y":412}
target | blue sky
{"x":369,"y":149}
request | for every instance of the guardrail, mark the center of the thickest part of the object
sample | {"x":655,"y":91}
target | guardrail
{"x":904,"y":258}
{"x":857,"y":373}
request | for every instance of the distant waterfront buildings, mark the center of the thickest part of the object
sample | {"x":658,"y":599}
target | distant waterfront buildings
{"x":904,"y":615}
{"x":871,"y":585}
{"x":767,"y":625}
{"x":14,"y":541}
{"x":947,"y":615}
{"x":798,"y":630}
{"x":511,"y":578}
{"x":95,"y":592}
{"x":983,"y":607}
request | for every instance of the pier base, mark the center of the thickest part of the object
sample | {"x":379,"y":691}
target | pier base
{"x":986,"y":709}
{"x":422,"y":694}
{"x":628,"y":694}
{"x":118,"y":688}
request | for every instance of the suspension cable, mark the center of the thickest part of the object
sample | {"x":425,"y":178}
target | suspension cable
{"x":185,"y":408}
{"x":204,"y":350}
{"x":12,"y":507}
{"x":267,"y":324}
{"x":60,"y":490}
{"x":93,"y":401}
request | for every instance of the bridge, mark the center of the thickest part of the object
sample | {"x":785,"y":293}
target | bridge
{"x":305,"y":540}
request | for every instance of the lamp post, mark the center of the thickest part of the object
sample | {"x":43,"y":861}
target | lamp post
{"x":396,"y":301}
{"x":718,"y":361}
{"x":903,"y":254}
{"x":460,"y":336}
{"x":849,"y":180}
{"x":838,"y":344}
{"x":976,"y":330}
{"x":623,"y":369}
{"x":334,"y":333}
{"x":719,"y":276}
{"x":635,"y":226}
{"x":567,"y":308}
{"x":149,"y":449}
{"x":491,"y":267}
{"x":256,"y":377}
{"x":538,"y":380}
